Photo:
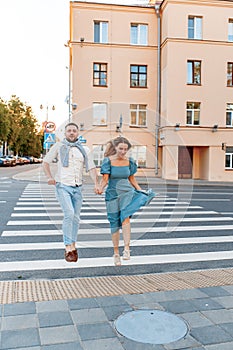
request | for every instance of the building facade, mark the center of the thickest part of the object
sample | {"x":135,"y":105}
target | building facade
{"x":162,"y":76}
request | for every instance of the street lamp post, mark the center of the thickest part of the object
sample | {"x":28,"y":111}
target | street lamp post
{"x":47,"y":111}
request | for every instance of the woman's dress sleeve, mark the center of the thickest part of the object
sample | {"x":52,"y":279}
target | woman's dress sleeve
{"x":106,"y":166}
{"x":132,"y":166}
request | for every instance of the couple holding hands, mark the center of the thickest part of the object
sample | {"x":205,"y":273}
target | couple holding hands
{"x":123,"y":195}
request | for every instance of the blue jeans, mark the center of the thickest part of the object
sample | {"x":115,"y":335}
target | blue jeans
{"x":70,"y":199}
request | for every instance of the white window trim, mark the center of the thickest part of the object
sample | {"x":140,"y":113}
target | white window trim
{"x":95,"y":104}
{"x":193,"y":110}
{"x":231,"y":160}
{"x":139,"y":28}
{"x":137,"y":125}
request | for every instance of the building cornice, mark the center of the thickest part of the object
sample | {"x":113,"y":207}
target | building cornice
{"x":112,"y":7}
{"x":196,"y":42}
{"x":217,"y":3}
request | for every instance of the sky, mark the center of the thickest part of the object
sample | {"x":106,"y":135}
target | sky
{"x":34,"y":60}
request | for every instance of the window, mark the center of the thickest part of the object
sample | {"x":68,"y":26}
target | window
{"x":229,"y":114}
{"x":100,"y":74}
{"x":193,"y":113}
{"x":194,"y":27}
{"x":139,"y":154}
{"x":138,"y":76}
{"x":100,"y":32}
{"x":139,"y":34}
{"x":229,"y":158}
{"x":99,"y":113}
{"x":230,"y":74}
{"x":98,"y":154}
{"x":194,"y":72}
{"x":137,"y":115}
{"x":230,"y":30}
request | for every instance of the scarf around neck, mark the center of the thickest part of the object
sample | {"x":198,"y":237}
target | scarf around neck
{"x":64,"y":152}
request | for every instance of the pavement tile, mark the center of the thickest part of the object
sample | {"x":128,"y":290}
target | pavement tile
{"x":211,"y":335}
{"x":205,"y":304}
{"x":1,"y":308}
{"x":19,"y":322}
{"x":226,"y":301}
{"x":19,"y":309}
{"x":187,"y":342}
{"x":219,"y":316}
{"x":135,"y":299}
{"x":132,"y":345}
{"x":30,"y":348}
{"x":109,"y":301}
{"x":57,"y":335}
{"x":20,"y":338}
{"x":229,"y":289}
{"x":196,"y":319}
{"x":228,"y":327}
{"x":88,"y":316}
{"x":224,"y":346}
{"x":85,"y":303}
{"x":178,"y":306}
{"x":95,"y":331}
{"x":100,"y":344}
{"x":52,"y":305}
{"x":183,"y":294}
{"x":114,"y":311}
{"x":53,"y":319}
{"x":65,"y":346}
{"x":214,"y":291}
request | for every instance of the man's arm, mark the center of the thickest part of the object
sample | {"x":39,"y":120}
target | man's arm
{"x":47,"y":171}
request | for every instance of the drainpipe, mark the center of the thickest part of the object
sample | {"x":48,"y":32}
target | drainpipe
{"x":158,"y":106}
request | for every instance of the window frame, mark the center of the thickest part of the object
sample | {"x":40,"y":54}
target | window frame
{"x":99,"y":72}
{"x":229,"y":153}
{"x":99,"y":151}
{"x":230,"y":30}
{"x":137,"y":152}
{"x":139,"y":34}
{"x":193,"y":69}
{"x":229,"y":110}
{"x":137,"y":110}
{"x":101,"y":35}
{"x":230,"y":75}
{"x":195,"y":28}
{"x":95,"y":118}
{"x":193,"y":110}
{"x":138,"y":74}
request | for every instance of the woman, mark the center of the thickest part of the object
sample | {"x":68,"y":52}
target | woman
{"x":123,"y":195}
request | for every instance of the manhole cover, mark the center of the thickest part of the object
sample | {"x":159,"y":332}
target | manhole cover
{"x":151,"y":326}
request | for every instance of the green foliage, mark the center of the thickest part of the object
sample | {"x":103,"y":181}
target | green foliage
{"x":19,"y":127}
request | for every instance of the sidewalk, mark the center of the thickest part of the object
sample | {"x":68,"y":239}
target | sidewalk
{"x":80,"y":313}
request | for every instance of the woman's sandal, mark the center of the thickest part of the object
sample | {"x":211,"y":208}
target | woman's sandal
{"x":126,"y":255}
{"x":117,"y":259}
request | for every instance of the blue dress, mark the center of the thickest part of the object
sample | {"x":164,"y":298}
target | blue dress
{"x":122,"y":200}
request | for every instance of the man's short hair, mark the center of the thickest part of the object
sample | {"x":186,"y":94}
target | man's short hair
{"x":71,"y":123}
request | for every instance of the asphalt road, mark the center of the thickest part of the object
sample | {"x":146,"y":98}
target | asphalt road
{"x":184,"y":228}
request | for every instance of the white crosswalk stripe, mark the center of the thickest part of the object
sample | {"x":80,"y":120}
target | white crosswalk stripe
{"x":33,"y":223}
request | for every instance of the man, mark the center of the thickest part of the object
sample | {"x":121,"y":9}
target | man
{"x":72,"y":157}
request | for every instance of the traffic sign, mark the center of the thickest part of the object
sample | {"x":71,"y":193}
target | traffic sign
{"x":49,"y":140}
{"x":50,"y":127}
{"x":81,"y":139}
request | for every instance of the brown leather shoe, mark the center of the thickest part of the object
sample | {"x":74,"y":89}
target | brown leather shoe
{"x":75,"y":254}
{"x":71,"y":256}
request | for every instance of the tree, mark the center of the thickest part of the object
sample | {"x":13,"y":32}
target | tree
{"x":24,"y":137}
{"x":4,"y":122}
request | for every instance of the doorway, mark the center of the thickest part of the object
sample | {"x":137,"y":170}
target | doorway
{"x":185,"y":162}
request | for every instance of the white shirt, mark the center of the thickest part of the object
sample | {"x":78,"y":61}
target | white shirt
{"x":73,"y":174}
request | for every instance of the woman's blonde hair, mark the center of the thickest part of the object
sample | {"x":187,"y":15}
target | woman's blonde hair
{"x":110,"y":149}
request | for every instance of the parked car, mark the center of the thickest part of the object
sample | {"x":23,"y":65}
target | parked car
{"x":7,"y":161}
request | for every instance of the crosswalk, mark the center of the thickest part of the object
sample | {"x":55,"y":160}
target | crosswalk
{"x":169,"y":234}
